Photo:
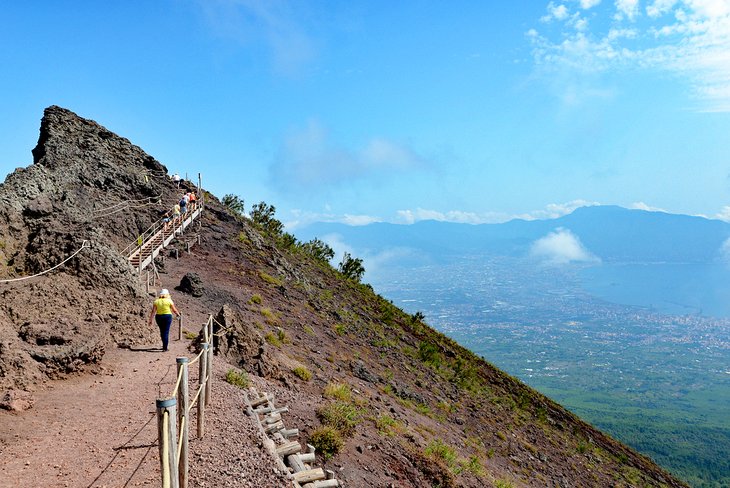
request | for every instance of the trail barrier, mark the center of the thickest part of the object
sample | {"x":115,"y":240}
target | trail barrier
{"x":173,"y":413}
{"x":148,"y":245}
{"x":286,"y":453}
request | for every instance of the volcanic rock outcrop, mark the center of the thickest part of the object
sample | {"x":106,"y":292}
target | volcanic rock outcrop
{"x":86,"y":187}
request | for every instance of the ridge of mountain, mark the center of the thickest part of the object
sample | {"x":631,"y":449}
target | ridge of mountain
{"x":425,"y":411}
{"x":612,"y":233}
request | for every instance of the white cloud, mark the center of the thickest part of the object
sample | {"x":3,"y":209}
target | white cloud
{"x":358,"y":220}
{"x":725,"y":251}
{"x":627,"y":8}
{"x":690,"y":38}
{"x":561,"y":247}
{"x":555,"y":12}
{"x":551,"y":211}
{"x":647,"y":207}
{"x":660,"y":7}
{"x":302,"y":218}
{"x":309,"y":159}
{"x":723,"y":214}
{"x":586,"y":4}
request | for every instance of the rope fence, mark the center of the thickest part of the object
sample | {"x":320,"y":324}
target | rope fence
{"x":174,"y":434}
{"x":127,"y":204}
{"x":84,"y":244}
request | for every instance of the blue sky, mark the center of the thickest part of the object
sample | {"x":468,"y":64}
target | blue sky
{"x":394,"y":111}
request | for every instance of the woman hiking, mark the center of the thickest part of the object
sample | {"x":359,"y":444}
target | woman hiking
{"x":162,"y":311}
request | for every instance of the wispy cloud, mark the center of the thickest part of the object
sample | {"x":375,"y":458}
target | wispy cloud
{"x":689,"y":38}
{"x":278,"y":24}
{"x":561,"y":247}
{"x":309,"y":159}
{"x":302,"y":218}
{"x":645,"y":206}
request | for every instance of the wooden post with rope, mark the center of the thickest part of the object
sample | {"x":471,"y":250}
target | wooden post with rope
{"x":167,"y":440}
{"x":183,"y":401}
{"x":209,"y":359}
{"x":203,"y":372}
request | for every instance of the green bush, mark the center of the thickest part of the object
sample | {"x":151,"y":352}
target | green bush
{"x":387,"y":425}
{"x":351,"y":268}
{"x":234,"y":203}
{"x":271,"y":338}
{"x":319,"y":250}
{"x":341,"y":416}
{"x":327,"y":441}
{"x":338,"y":391}
{"x":237,"y":378}
{"x":440,"y":450}
{"x":302,"y":373}
{"x":256,"y":298}
{"x":429,"y":354}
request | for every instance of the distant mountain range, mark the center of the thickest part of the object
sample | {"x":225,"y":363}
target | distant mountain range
{"x":608,"y":233}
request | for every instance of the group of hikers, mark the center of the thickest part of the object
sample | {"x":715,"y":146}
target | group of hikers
{"x":187,"y":203}
{"x":164,"y":307}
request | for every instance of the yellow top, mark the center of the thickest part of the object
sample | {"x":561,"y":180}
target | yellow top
{"x":163,"y":306}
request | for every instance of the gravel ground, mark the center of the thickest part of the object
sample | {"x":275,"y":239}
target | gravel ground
{"x":114,"y":444}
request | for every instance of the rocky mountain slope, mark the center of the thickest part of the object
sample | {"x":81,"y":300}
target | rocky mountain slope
{"x":397,"y":403}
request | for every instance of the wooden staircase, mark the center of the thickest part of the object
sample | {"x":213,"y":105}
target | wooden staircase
{"x":151,"y":242}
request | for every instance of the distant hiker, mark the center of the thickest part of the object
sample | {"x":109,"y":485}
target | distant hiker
{"x":176,"y":210}
{"x":176,"y":179}
{"x":184,"y":203}
{"x":166,"y":220}
{"x":162,"y":311}
{"x":192,"y":199}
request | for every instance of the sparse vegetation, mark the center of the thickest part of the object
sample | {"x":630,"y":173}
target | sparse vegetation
{"x":302,"y":373}
{"x":262,"y":215}
{"x":440,"y":450}
{"x":256,"y":298}
{"x":190,"y":335}
{"x":503,"y":484}
{"x":237,"y":378}
{"x":234,"y":203}
{"x":338,"y":391}
{"x":269,"y":317}
{"x":351,"y":268}
{"x":327,"y":441}
{"x":319,"y":250}
{"x":388,"y":426}
{"x":308,"y":330}
{"x":273,"y":339}
{"x":270,"y":279}
{"x":340,"y":415}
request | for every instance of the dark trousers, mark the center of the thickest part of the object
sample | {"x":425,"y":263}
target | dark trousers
{"x":164,"y":322}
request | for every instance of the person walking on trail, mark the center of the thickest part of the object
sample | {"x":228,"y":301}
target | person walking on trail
{"x":162,"y":311}
{"x":184,"y":203}
{"x":176,"y":179}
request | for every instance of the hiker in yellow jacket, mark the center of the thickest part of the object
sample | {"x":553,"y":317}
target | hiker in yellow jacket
{"x":162,"y":311}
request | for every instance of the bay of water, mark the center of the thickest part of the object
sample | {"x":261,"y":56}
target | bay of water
{"x":696,"y":289}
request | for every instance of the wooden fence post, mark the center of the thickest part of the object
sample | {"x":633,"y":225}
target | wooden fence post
{"x":183,"y":400}
{"x":167,"y":440}
{"x":209,"y":358}
{"x":179,"y":327}
{"x":203,"y":371}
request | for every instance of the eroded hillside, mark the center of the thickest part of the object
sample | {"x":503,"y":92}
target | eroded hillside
{"x":412,"y":407}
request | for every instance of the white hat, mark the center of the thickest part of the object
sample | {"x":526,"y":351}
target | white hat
{"x":164,"y":292}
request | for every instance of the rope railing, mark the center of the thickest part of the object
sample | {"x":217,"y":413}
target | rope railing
{"x":124,"y":203}
{"x":173,"y":446}
{"x":84,"y":244}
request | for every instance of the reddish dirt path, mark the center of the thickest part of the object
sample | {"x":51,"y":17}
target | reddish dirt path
{"x":100,"y":430}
